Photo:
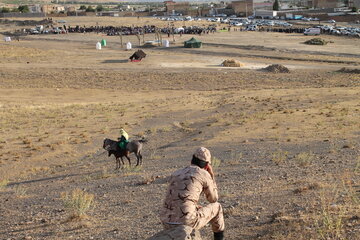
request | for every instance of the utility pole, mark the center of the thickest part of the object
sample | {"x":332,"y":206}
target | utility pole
{"x":246,"y":12}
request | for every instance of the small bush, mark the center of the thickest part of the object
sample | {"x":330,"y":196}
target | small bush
{"x":20,"y":191}
{"x":304,"y":159}
{"x":4,"y":183}
{"x":235,"y":158}
{"x":279,"y":157}
{"x":104,"y":174}
{"x":357,"y":166}
{"x":316,"y":41}
{"x":131,"y":170}
{"x":330,"y":224}
{"x":232,"y":63}
{"x":215,"y":162}
{"x":78,"y":202}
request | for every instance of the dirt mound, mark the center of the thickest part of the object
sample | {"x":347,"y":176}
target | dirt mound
{"x":277,"y":68}
{"x":316,"y":41}
{"x":232,"y":63}
{"x":348,"y":70}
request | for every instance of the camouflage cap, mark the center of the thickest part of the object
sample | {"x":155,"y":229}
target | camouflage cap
{"x":203,"y":154}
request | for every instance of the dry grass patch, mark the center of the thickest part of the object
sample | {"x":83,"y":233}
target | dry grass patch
{"x":304,"y":159}
{"x":215,"y":162}
{"x":330,"y":222}
{"x":357,"y":165}
{"x":78,"y":202}
{"x":184,"y":126}
{"x":235,"y":158}
{"x":20,"y":191}
{"x":310,"y":186}
{"x":131,"y":170}
{"x":232,"y":63}
{"x":279,"y":157}
{"x":3,"y":184}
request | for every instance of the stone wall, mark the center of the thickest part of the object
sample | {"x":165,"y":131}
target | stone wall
{"x":21,"y":15}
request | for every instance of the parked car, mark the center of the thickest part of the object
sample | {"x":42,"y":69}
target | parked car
{"x":312,"y":31}
{"x":251,"y":28}
{"x":34,"y":31}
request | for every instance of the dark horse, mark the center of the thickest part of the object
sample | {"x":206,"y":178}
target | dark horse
{"x":132,"y":147}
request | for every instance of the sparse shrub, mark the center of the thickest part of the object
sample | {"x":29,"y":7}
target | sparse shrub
{"x":279,"y":156}
{"x":215,"y":162}
{"x":232,"y":211}
{"x":235,"y":157}
{"x":316,"y":41}
{"x":131,"y":170}
{"x":232,"y":63}
{"x":311,"y":186}
{"x":103,"y":174}
{"x":352,"y":194}
{"x":330,"y":224}
{"x":26,"y":141}
{"x":304,"y":159}
{"x":165,"y":129}
{"x":153,"y":155}
{"x":225,"y":194}
{"x":357,"y":166}
{"x":20,"y":191}
{"x":3,"y":183}
{"x":148,"y":180}
{"x":78,"y":202}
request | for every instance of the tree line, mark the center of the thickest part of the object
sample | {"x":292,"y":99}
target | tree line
{"x":21,"y":8}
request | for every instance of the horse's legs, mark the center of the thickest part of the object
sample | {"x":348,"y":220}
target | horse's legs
{"x":140,"y":158}
{"x":117,"y":161}
{"x":122,"y":161}
{"x":128,"y":159}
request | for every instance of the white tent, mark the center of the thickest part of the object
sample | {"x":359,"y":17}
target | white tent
{"x":166,"y":43}
{"x":128,"y":46}
{"x":98,"y":46}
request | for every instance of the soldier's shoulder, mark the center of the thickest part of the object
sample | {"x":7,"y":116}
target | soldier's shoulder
{"x":181,"y":171}
{"x":202,"y":173}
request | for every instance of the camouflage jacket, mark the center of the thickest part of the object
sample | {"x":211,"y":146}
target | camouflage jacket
{"x":186,"y":186}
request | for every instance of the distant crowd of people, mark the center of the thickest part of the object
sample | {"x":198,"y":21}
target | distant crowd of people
{"x":111,"y":30}
{"x":282,"y":30}
{"x":136,"y":30}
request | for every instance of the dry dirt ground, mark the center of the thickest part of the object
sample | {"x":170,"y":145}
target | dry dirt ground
{"x":285,"y":146}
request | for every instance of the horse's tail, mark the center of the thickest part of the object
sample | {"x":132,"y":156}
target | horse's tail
{"x":143,"y":140}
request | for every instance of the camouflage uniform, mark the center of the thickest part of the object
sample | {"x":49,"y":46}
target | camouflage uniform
{"x":181,"y":202}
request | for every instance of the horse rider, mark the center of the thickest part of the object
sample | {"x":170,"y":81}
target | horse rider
{"x":186,"y":185}
{"x":123,"y":139}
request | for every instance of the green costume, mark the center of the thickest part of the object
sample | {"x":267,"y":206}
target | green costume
{"x":124,"y":139}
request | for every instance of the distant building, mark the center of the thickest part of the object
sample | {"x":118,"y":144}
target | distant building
{"x":71,"y":9}
{"x":295,"y":4}
{"x":243,"y":7}
{"x":34,"y":8}
{"x":52,"y":9}
{"x":264,"y":4}
{"x":355,"y":3}
{"x":327,"y":3}
{"x":265,"y":14}
{"x":173,"y":7}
